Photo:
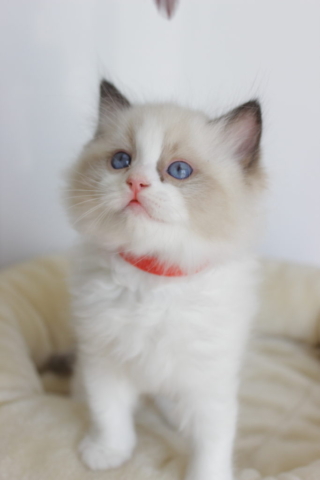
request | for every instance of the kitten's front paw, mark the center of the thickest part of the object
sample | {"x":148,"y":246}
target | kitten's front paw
{"x":99,"y":455}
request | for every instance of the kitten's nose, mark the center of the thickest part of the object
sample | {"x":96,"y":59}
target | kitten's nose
{"x":137,"y":183}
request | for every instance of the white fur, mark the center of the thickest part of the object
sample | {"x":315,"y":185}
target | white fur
{"x":180,"y":339}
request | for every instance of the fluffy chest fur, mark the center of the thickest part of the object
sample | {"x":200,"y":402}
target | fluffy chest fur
{"x":164,"y":331}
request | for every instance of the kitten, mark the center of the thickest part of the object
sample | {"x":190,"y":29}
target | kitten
{"x":163,"y":284}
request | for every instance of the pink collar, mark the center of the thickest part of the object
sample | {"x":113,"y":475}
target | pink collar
{"x":152,"y":265}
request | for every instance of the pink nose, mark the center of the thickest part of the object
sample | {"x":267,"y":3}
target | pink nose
{"x":137,"y":183}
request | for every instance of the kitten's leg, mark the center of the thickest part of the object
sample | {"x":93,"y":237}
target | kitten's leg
{"x":212,"y":437}
{"x":111,"y":399}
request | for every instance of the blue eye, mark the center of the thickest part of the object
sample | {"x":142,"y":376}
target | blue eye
{"x":180,"y":170}
{"x":120,"y":160}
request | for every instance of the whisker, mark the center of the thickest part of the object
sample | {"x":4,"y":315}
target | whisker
{"x":93,"y":196}
{"x":87,"y":213}
{"x":99,"y":219}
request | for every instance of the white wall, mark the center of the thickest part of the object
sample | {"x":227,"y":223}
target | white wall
{"x":214,"y":54}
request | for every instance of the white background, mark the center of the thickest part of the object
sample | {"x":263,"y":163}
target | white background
{"x":214,"y":54}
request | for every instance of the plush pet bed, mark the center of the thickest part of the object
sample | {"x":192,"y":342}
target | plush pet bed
{"x":40,"y":426}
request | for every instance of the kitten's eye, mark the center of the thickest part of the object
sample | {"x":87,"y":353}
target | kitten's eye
{"x":180,"y":170}
{"x":120,"y":160}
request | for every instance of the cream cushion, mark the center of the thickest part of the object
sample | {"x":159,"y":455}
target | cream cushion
{"x":279,"y":421}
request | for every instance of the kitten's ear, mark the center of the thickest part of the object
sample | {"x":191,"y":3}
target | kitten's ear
{"x":243,"y":127}
{"x":110,"y":97}
{"x":110,"y":101}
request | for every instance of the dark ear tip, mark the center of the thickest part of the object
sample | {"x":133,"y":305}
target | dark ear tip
{"x":253,"y":107}
{"x":110,"y":94}
{"x":105,"y":87}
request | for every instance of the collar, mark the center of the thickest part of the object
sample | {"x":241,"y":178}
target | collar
{"x":153,"y":266}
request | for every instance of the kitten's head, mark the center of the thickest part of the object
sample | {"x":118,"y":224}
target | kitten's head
{"x":166,"y":181}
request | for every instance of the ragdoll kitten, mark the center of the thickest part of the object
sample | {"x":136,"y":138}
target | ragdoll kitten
{"x":163,"y":285}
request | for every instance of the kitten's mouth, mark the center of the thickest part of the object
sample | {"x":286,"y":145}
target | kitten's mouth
{"x":138,"y":208}
{"x":135,"y":206}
